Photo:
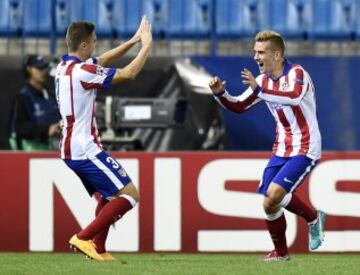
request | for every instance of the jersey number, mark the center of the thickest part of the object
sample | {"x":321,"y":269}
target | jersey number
{"x":113,"y":162}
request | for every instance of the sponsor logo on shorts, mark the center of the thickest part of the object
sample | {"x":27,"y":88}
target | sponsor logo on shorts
{"x":122,"y":172}
{"x":287,"y":180}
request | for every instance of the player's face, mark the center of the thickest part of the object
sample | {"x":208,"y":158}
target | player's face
{"x":264,"y":56}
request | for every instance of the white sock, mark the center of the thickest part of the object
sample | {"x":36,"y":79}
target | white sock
{"x":274,"y":216}
{"x":286,"y":200}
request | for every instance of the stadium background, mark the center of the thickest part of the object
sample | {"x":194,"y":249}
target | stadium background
{"x":213,"y":36}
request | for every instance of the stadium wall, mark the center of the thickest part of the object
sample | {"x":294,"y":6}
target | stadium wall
{"x":190,"y":202}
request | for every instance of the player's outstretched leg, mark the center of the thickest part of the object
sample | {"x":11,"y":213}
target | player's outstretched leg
{"x":316,"y":231}
{"x":315,"y":219}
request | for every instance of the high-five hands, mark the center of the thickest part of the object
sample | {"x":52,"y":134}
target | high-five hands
{"x":143,"y":33}
{"x":136,"y":36}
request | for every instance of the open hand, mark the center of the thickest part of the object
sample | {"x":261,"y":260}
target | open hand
{"x":249,"y":79}
{"x":145,"y":32}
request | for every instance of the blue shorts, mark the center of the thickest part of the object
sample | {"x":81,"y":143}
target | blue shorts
{"x":101,"y":174}
{"x":287,"y":172}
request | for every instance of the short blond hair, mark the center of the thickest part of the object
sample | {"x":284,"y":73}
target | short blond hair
{"x":77,"y":33}
{"x":275,"y":38}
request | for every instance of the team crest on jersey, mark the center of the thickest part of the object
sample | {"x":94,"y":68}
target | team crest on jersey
{"x":285,"y":86}
{"x":101,"y":71}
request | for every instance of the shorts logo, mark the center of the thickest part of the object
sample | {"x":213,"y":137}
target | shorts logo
{"x":287,"y":180}
{"x":122,"y":172}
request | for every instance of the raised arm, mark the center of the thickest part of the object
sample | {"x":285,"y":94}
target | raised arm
{"x":237,"y":104}
{"x":112,"y":55}
{"x":130,"y":71}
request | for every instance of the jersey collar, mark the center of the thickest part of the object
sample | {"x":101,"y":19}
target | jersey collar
{"x":287,"y":67}
{"x":71,"y":58}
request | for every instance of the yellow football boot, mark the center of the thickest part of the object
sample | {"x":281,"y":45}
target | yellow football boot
{"x":85,"y":247}
{"x":107,"y":256}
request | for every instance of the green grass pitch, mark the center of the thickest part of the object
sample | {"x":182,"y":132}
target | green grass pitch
{"x":75,"y":263}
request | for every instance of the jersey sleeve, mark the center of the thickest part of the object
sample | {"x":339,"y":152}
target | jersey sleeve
{"x":238,"y":104}
{"x":298,"y":85}
{"x":93,"y":76}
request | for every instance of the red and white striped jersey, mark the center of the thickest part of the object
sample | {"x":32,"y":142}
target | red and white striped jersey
{"x":76,"y":85}
{"x":291,"y":100}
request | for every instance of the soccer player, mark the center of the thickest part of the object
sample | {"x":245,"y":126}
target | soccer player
{"x":78,"y":76}
{"x":289,"y":94}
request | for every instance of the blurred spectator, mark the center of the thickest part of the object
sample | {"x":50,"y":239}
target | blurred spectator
{"x":34,"y":118}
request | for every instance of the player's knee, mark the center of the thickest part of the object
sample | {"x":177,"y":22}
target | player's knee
{"x":273,"y":199}
{"x":269,"y":205}
{"x":275,"y":196}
